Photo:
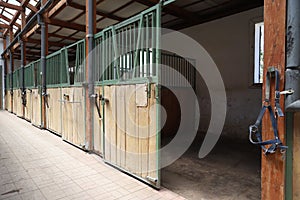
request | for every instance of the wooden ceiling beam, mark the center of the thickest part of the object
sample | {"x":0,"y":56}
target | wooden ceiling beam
{"x":35,"y":41}
{"x":4,"y":26}
{"x":25,"y":3}
{"x":174,"y":10}
{"x":11,"y":6}
{"x":57,"y":8}
{"x":98,"y":12}
{"x":222,"y":10}
{"x":70,"y":25}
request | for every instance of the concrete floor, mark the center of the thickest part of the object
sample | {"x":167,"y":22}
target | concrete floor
{"x":230,"y":171}
{"x":35,"y":164}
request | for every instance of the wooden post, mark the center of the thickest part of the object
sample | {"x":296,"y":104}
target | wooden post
{"x":44,"y":53}
{"x":273,"y":166}
{"x":90,"y":31}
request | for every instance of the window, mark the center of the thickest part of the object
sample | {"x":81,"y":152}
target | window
{"x":259,"y":53}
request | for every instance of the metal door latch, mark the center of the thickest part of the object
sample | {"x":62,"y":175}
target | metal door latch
{"x":287,"y":92}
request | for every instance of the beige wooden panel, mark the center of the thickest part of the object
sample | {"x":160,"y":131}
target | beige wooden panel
{"x":53,"y":110}
{"x":296,"y":157}
{"x":132,"y":140}
{"x":19,"y":106}
{"x":73,"y":128}
{"x":130,"y":129}
{"x":110,"y":124}
{"x":28,"y":107}
{"x":98,"y":123}
{"x":16,"y":97}
{"x":36,"y":108}
{"x":8,"y":101}
{"x":153,"y":154}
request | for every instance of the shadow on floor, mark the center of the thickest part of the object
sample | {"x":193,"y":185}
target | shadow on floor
{"x":230,"y":171}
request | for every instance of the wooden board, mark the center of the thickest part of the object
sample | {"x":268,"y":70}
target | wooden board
{"x":130,"y":129}
{"x":273,"y":168}
{"x":98,"y":123}
{"x":8,"y":101}
{"x":132,"y":142}
{"x":28,"y":107}
{"x":53,"y":110}
{"x":18,"y":106}
{"x":296,"y":157}
{"x":73,"y":116}
{"x":15,"y":101}
{"x":36,"y":107}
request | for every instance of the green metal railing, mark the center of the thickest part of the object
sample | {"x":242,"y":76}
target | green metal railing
{"x":127,"y":51}
{"x":8,"y":81}
{"x":56,"y":71}
{"x":29,"y":76}
{"x":16,"y":79}
{"x":74,"y":55}
{"x":36,"y":65}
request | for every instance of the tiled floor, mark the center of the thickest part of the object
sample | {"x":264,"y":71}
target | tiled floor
{"x":35,"y":164}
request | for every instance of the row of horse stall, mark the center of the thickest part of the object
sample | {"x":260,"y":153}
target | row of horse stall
{"x":126,"y":115}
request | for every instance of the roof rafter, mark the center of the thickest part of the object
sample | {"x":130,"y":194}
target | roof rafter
{"x":11,"y":6}
{"x":98,"y":12}
{"x":28,"y":5}
{"x":8,"y":21}
{"x":172,"y":9}
{"x":70,"y":25}
{"x":57,"y":8}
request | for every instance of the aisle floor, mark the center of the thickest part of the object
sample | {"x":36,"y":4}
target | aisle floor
{"x":36,"y":164}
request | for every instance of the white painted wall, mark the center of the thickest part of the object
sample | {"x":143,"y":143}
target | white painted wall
{"x":229,"y":42}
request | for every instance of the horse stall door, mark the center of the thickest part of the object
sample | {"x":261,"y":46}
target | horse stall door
{"x":28,"y":107}
{"x":73,"y":117}
{"x":98,"y":122}
{"x":36,"y":107}
{"x":53,"y":110}
{"x":131,"y":139}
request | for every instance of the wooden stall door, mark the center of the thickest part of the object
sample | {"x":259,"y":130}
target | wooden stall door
{"x":131,"y":138}
{"x":36,"y":107}
{"x":73,"y":116}
{"x":53,"y":110}
{"x":28,"y":107}
{"x":98,"y":122}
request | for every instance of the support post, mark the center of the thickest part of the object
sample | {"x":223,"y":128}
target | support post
{"x":11,"y":65}
{"x":44,"y":52}
{"x":11,"y":69}
{"x":89,"y":90}
{"x":273,"y":166}
{"x":23,"y":63}
{"x":5,"y":66}
{"x":292,"y":103}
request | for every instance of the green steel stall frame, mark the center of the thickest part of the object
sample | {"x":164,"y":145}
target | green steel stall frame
{"x":114,"y":33}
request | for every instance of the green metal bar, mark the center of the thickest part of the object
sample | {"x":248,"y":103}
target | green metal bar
{"x":116,"y":52}
{"x":158,"y":97}
{"x":137,"y":49}
{"x":147,"y":48}
{"x":289,"y":156}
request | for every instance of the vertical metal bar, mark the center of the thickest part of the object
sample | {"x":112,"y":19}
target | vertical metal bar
{"x":147,"y":47}
{"x":153,"y":45}
{"x":158,"y":88}
{"x":289,"y":156}
{"x":137,"y":49}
